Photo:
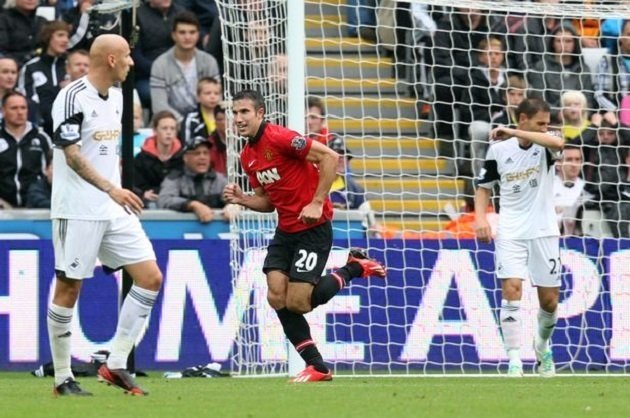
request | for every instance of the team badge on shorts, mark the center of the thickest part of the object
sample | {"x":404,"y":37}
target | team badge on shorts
{"x":298,"y":143}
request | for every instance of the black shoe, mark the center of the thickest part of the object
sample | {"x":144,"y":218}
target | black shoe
{"x":70,"y":387}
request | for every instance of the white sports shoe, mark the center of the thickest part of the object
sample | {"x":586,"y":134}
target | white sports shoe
{"x":515,"y":370}
{"x":545,"y":366}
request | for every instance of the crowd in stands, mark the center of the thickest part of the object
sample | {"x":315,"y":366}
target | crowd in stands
{"x":474,"y":66}
{"x":483,"y":64}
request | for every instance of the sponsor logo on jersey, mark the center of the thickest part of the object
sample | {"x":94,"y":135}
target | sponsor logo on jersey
{"x":109,"y":135}
{"x":509,"y":161}
{"x":299,"y":143}
{"x":268,"y":176}
{"x":4,"y":145}
{"x":521,"y":175}
{"x":94,"y":114}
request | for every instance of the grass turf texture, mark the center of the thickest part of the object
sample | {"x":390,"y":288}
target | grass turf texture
{"x":22,"y":395}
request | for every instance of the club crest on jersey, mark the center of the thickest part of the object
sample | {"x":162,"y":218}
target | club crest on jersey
{"x":299,"y":143}
{"x":268,"y":155}
{"x":268,"y":176}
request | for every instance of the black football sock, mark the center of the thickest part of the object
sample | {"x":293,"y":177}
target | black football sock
{"x":329,"y":285}
{"x":298,"y":332}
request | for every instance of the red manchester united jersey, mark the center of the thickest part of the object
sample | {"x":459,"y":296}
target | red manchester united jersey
{"x":276,"y":161}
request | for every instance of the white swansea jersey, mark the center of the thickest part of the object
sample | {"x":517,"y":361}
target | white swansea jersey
{"x":82,"y":116}
{"x":526,"y":177}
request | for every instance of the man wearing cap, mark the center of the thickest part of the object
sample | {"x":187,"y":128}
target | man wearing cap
{"x":197,"y":188}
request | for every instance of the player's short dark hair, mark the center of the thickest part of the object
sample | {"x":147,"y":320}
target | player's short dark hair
{"x":254,"y":95}
{"x":187,"y":18}
{"x":316,"y":102}
{"x":49,"y":28}
{"x":10,"y":94}
{"x":530,"y":106}
{"x":163,"y":114}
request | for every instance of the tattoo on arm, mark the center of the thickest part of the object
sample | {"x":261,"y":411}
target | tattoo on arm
{"x":84,"y":169}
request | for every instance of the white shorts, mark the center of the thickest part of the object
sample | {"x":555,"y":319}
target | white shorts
{"x":116,"y":242}
{"x":537,"y":259}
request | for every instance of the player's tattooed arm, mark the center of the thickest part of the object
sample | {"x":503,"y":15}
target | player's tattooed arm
{"x":80,"y":165}
{"x":77,"y":162}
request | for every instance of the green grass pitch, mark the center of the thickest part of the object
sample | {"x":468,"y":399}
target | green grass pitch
{"x":22,"y":395}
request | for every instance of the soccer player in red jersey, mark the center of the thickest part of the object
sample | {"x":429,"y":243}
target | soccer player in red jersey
{"x":293,"y":175}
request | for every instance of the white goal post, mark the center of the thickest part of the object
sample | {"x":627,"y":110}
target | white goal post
{"x":437,"y":312}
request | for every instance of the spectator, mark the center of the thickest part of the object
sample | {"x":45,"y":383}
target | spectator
{"x":23,"y":150}
{"x":155,"y":19}
{"x":568,"y":188}
{"x":574,"y":115}
{"x":484,"y":93}
{"x":612,"y":83}
{"x":532,"y":39}
{"x":159,"y":156}
{"x":19,"y":27}
{"x":316,"y":121}
{"x":205,"y":10}
{"x":588,"y":29}
{"x":456,"y":35}
{"x":77,"y":65}
{"x":514,"y":93}
{"x":86,"y":26}
{"x":197,"y":188}
{"x":200,"y":122}
{"x":175,"y":73}
{"x":560,"y":70}
{"x":8,"y":77}
{"x":607,"y":178}
{"x":345,"y":192}
{"x":40,"y":191}
{"x":218,"y":151}
{"x":40,"y":76}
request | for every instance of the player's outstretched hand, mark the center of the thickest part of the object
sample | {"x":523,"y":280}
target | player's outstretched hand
{"x":232,"y":193}
{"x":483,"y":231}
{"x":127,"y":199}
{"x":501,"y":132}
{"x":311,"y":213}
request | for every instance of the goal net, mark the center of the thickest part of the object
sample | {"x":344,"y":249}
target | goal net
{"x":413,"y":89}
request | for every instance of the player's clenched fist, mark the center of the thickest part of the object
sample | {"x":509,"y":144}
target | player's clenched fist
{"x":501,"y":132}
{"x":232,"y":193}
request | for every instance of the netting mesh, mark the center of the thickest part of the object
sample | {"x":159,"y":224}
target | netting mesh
{"x":414,"y":88}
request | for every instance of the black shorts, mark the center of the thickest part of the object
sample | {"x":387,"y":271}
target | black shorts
{"x":302,"y":255}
